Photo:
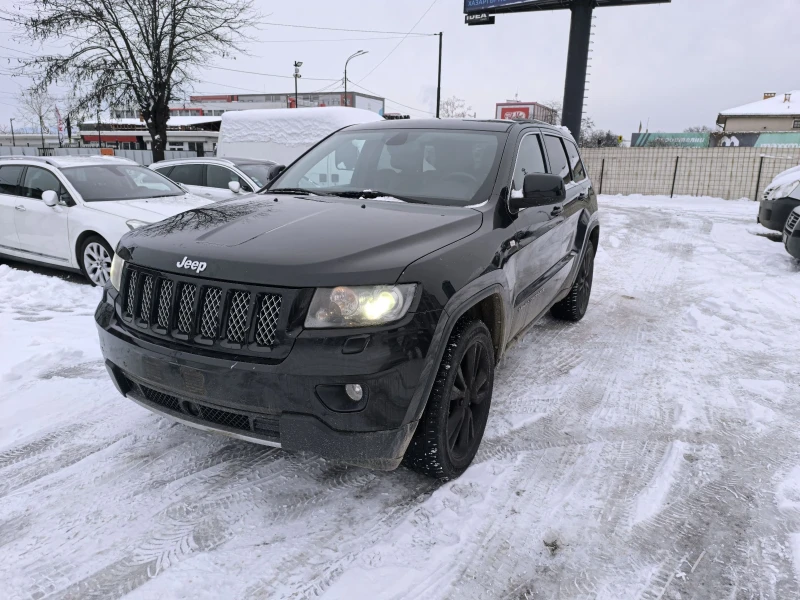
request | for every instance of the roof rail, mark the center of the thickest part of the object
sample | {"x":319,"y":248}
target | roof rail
{"x":43,"y":159}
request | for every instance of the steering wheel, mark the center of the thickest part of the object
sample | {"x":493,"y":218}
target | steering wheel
{"x":460,"y":175}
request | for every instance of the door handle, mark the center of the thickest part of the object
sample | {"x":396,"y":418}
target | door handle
{"x":20,"y":207}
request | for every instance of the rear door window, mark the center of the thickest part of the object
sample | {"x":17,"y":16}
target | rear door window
{"x":188,"y":174}
{"x":9,"y":178}
{"x":559,"y":165}
{"x":578,"y":172}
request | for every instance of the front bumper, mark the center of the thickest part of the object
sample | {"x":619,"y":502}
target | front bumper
{"x":773,"y":214}
{"x":287,"y":404}
{"x":792,"y":242}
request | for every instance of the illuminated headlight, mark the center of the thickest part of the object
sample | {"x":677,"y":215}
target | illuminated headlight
{"x":359,"y":306}
{"x":117,"y":264}
{"x":135,"y":224}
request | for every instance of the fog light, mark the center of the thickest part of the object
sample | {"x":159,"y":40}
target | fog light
{"x":354,"y":391}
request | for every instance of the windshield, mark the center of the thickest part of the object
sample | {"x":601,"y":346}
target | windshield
{"x":450,"y":167}
{"x":103,"y":183}
{"x":258,"y":173}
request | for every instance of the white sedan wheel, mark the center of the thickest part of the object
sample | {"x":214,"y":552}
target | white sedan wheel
{"x":97,"y":263}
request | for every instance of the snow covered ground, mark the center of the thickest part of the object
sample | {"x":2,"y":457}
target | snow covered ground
{"x":651,"y":451}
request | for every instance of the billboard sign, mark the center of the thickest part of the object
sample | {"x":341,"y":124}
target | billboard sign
{"x":514,"y":112}
{"x":484,"y":5}
{"x":479,"y":19}
{"x":669,"y":140}
{"x":492,"y":6}
{"x":776,"y":139}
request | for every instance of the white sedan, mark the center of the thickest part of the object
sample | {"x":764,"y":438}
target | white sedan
{"x":70,"y":211}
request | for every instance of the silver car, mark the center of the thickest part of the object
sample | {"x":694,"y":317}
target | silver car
{"x":217,"y":178}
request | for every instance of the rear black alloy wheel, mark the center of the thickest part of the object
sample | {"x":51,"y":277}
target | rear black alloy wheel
{"x":451,"y":430}
{"x":573,"y":307}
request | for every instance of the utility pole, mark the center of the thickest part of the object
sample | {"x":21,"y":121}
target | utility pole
{"x":359,"y":53}
{"x":297,"y":65}
{"x":439,"y":85}
{"x":580,"y":32}
{"x":13,"y":140}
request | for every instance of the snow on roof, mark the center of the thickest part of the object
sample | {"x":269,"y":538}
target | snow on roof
{"x":290,"y":126}
{"x":770,"y":107}
{"x":172,"y":122}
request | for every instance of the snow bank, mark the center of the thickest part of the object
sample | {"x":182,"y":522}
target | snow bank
{"x":290,"y":126}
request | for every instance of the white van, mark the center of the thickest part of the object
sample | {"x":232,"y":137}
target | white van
{"x":281,"y":135}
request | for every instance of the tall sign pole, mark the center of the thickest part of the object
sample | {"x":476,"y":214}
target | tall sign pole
{"x":580,"y":31}
{"x":439,"y":85}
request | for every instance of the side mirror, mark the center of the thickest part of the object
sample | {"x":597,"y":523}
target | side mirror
{"x":276,"y":170}
{"x":50,"y":198}
{"x":538,"y":189}
{"x":235,"y":186}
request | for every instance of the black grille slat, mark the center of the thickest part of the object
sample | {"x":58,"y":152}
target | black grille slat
{"x":130,"y":308}
{"x":165,"y":303}
{"x":186,"y":308}
{"x":212,"y":305}
{"x":237,"y":317}
{"x":792,"y":222}
{"x":223,"y":417}
{"x":146,"y":304}
{"x":165,"y":400}
{"x":267,"y":324}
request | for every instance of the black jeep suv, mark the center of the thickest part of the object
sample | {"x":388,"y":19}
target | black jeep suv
{"x":358,"y":305}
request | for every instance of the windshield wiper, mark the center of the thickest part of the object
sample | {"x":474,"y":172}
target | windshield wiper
{"x":293,"y":191}
{"x":373,"y":194}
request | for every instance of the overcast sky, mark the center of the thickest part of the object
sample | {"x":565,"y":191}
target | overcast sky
{"x":675,"y":65}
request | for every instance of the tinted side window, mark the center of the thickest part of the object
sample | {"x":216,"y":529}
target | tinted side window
{"x":578,"y":172}
{"x":37,"y":181}
{"x":219,"y":177}
{"x":165,"y":171}
{"x":529,"y":160}
{"x":558,"y":158}
{"x":188,"y":174}
{"x":9,"y":178}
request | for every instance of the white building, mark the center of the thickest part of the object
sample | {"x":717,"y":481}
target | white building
{"x":775,"y":112}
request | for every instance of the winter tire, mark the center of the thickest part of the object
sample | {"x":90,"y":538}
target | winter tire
{"x":573,"y":307}
{"x":451,"y":429}
{"x":94,"y":257}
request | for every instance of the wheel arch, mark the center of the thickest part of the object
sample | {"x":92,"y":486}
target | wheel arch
{"x":84,"y":235}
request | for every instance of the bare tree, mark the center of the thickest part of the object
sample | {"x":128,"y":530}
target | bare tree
{"x":698,"y":129}
{"x":456,"y":108}
{"x":35,"y":107}
{"x":142,"y":53}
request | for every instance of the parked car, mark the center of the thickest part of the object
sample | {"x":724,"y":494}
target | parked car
{"x":781,"y":197}
{"x":218,"y":178}
{"x":361,"y":319}
{"x":69,"y":212}
{"x":791,"y":235}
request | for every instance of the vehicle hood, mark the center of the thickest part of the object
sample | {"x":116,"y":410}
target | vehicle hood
{"x":151,"y":210}
{"x":787,"y":176}
{"x":288,"y":241}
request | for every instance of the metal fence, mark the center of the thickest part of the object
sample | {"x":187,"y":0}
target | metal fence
{"x":730,"y":173}
{"x":143,"y":157}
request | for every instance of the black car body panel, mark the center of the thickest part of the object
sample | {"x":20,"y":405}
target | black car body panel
{"x":773,"y":214}
{"x":482,"y":260}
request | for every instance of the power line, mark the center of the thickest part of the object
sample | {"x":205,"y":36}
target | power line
{"x":427,"y":112}
{"x":361,"y":39}
{"x":401,"y":41}
{"x":351,"y":30}
{"x":271,"y":74}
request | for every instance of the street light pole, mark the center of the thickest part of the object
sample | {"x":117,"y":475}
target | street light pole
{"x":439,"y":84}
{"x":13,"y":140}
{"x":359,"y":53}
{"x":297,"y":65}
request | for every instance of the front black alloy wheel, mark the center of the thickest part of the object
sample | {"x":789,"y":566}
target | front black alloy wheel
{"x":451,"y":429}
{"x":573,"y":307}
